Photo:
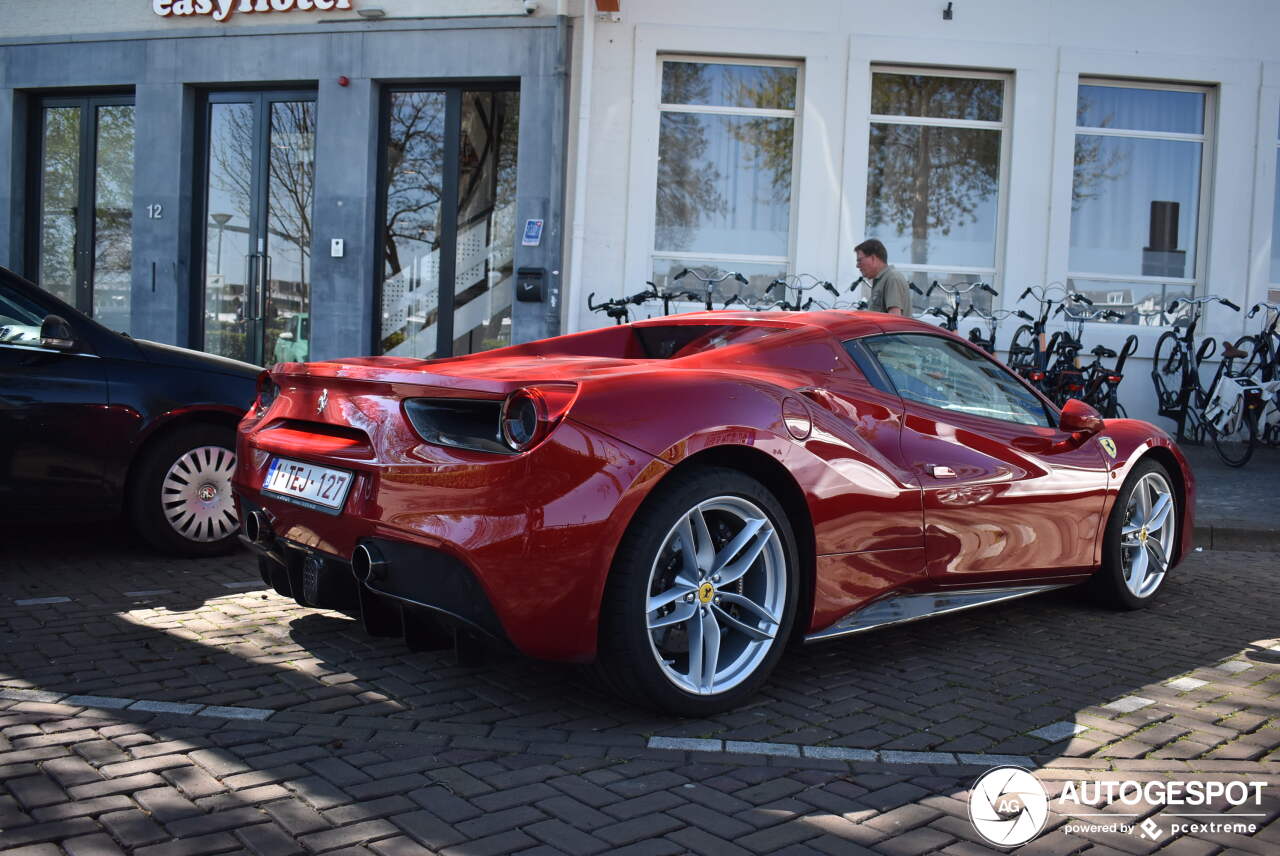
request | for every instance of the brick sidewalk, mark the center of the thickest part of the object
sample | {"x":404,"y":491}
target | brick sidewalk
{"x":300,"y":734}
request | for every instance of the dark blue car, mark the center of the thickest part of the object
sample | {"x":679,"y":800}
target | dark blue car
{"x":95,"y":423}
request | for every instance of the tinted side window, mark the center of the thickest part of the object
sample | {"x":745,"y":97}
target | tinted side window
{"x":945,"y":374}
{"x":20,"y":318}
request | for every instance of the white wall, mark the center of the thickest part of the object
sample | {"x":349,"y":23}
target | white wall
{"x":1046,"y":46}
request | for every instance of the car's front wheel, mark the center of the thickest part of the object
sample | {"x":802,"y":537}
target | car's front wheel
{"x":702,"y":596}
{"x":1140,"y":541}
{"x":181,"y":499}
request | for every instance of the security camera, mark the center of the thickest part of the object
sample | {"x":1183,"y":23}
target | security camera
{"x":530,"y":6}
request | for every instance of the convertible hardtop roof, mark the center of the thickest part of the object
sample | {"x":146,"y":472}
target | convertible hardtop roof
{"x":610,"y":350}
{"x":842,"y":324}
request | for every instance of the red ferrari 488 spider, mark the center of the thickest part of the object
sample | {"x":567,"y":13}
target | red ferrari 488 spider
{"x":677,"y":499}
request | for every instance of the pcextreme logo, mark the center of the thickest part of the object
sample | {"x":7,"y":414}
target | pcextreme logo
{"x":1009,"y":807}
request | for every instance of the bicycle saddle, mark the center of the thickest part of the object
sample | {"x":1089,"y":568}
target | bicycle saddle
{"x":1103,"y":351}
{"x":1231,"y":352}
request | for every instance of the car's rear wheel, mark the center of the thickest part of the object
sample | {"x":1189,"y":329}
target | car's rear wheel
{"x":181,"y":499}
{"x":702,"y":595}
{"x":1140,"y":540}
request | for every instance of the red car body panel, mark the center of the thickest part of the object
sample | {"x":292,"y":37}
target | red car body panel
{"x":539,"y":530}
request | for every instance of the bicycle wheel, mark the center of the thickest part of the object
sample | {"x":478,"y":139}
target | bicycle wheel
{"x":1167,"y":369}
{"x":1239,"y":435}
{"x":1249,"y":364}
{"x":1022,"y":348}
{"x":1109,"y":406}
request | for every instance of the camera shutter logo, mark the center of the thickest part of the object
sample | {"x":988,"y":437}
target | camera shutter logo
{"x":1008,"y":806}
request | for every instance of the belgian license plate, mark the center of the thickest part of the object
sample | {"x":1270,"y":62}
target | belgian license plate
{"x":307,"y":484}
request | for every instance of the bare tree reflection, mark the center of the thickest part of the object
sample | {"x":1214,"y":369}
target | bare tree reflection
{"x":1093,"y":164}
{"x":924,"y":178}
{"x":686,"y":181}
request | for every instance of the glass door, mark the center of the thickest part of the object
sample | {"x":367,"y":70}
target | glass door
{"x":259,"y":189}
{"x":448,"y":197}
{"x":82,"y":246}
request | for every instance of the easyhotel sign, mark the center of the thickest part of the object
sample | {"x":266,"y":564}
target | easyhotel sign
{"x":221,"y":9}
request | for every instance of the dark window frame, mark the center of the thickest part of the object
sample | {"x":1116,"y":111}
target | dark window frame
{"x":261,"y":98}
{"x":88,"y":104}
{"x":452,"y":89}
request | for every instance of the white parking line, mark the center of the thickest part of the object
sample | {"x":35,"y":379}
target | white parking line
{"x":1058,"y":731}
{"x":256,"y":714}
{"x":40,"y":601}
{"x":1129,"y":704}
{"x":833,"y":753}
{"x":1186,"y":684}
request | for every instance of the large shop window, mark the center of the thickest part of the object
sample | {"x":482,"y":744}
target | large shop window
{"x":935,"y":177}
{"x":1140,"y":175}
{"x":258,"y":195}
{"x":82,"y":244}
{"x":726,"y":139}
{"x":448,"y":200}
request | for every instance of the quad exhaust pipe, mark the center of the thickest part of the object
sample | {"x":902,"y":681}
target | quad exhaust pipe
{"x":367,"y":563}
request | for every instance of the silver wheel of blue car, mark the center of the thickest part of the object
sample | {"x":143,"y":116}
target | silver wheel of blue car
{"x":1147,"y":534}
{"x":197,"y":494}
{"x":180,"y":494}
{"x":717,"y":590}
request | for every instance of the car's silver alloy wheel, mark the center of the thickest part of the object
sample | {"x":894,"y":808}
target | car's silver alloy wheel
{"x":1147,"y":535}
{"x":196,"y":494}
{"x":716,"y":595}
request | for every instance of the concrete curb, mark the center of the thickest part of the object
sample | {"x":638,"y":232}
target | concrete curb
{"x":1215,"y":537}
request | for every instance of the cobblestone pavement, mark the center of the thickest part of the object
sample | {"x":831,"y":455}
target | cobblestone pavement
{"x":163,"y":706}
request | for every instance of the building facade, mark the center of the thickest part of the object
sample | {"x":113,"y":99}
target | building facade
{"x":296,"y":179}
{"x":292,"y":179}
{"x":1126,"y":152}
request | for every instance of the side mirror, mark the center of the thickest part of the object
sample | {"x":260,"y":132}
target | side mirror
{"x":56,"y":333}
{"x":1080,"y":419}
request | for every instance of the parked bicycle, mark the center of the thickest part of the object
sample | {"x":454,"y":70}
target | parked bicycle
{"x":709,"y":282}
{"x":1262,"y":363}
{"x":1102,"y":383}
{"x":951,"y":316}
{"x":801,"y":284}
{"x":619,"y":308}
{"x":1064,"y":377}
{"x":1225,"y":412}
{"x":1027,"y":354}
{"x":993,"y":320}
{"x":1262,"y":349}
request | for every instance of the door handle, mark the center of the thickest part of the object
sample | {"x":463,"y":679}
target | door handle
{"x":264,"y":282}
{"x":250,"y":272}
{"x":939,"y":471}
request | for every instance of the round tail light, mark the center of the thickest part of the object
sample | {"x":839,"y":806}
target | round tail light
{"x":529,"y":414}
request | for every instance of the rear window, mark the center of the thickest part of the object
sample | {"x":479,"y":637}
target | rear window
{"x":684,"y":340}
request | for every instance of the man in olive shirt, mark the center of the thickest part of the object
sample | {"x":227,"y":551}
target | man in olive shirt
{"x":888,"y":287}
